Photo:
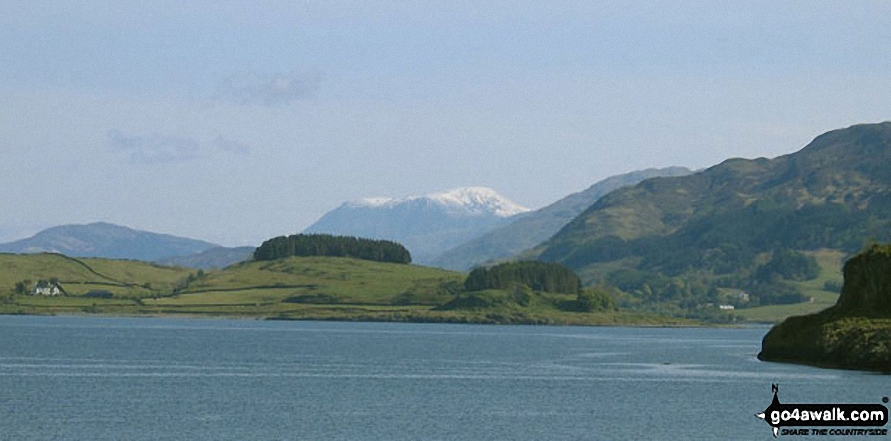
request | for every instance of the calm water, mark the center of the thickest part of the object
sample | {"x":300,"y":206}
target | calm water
{"x":76,"y":378}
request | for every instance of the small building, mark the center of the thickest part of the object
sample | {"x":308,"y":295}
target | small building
{"x":726,"y":307}
{"x":47,"y":288}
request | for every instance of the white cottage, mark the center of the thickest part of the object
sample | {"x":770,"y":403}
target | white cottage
{"x":47,"y":288}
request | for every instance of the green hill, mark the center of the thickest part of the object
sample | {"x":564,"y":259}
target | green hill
{"x":124,"y":278}
{"x":318,"y":280}
{"x":739,"y":226}
{"x":318,"y":288}
{"x":532,"y":228}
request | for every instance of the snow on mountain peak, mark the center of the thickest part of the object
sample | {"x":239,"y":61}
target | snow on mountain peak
{"x":474,"y":200}
{"x":477,"y":200}
{"x":373,"y":202}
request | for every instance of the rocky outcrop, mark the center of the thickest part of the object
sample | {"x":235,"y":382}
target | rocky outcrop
{"x":853,"y":334}
{"x":867,"y":288}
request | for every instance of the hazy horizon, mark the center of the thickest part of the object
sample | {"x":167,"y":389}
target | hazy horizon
{"x":232,"y":122}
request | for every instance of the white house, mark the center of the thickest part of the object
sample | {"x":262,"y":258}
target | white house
{"x":46,"y":288}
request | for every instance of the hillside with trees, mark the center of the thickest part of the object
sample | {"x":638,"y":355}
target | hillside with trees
{"x":743,"y":225}
{"x":292,"y":288}
{"x":529,"y":229}
{"x":519,"y":288}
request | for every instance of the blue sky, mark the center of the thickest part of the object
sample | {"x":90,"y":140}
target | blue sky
{"x":237,"y":121}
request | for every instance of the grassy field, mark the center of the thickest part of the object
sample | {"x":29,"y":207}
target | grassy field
{"x":317,"y":288}
{"x":123,"y":278}
{"x":339,"y":279}
{"x":324,"y":288}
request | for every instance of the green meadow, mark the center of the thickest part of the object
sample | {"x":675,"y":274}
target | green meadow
{"x":300,"y":288}
{"x":323,"y":288}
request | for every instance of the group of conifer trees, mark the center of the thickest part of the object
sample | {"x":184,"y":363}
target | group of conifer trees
{"x":333,"y":246}
{"x":540,"y":276}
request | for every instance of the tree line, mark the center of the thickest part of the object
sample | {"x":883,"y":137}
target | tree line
{"x":333,"y":246}
{"x":539,"y":276}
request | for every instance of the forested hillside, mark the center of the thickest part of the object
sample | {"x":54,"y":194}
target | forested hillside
{"x":749,"y":226}
{"x":529,"y":229}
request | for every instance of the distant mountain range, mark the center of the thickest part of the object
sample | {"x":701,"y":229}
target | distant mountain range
{"x":426,"y":225}
{"x":214,"y":258}
{"x":107,"y":240}
{"x":678,"y":237}
{"x":658,"y":234}
{"x":485,"y":225}
{"x":529,"y":229}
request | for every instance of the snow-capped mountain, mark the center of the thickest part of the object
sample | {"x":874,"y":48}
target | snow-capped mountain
{"x":527,"y":231}
{"x":426,"y":225}
{"x":460,"y":201}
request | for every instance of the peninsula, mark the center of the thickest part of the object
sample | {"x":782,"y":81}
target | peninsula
{"x":853,"y":334}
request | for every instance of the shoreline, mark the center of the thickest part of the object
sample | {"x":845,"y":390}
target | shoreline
{"x":457,"y":320}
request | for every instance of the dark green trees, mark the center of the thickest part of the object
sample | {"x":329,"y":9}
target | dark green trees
{"x":333,"y":246}
{"x":540,"y":276}
{"x":789,"y":265}
{"x":767,"y":282}
{"x":595,"y":299}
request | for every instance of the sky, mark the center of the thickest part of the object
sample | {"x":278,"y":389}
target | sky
{"x":234,"y":122}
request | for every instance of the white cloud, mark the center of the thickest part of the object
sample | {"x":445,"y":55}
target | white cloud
{"x":158,"y":148}
{"x":155,"y":148}
{"x":253,"y":89}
